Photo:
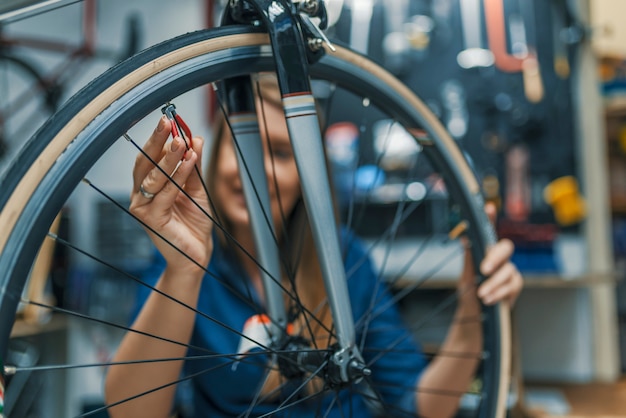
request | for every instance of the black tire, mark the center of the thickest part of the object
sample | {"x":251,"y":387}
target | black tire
{"x":41,"y":180}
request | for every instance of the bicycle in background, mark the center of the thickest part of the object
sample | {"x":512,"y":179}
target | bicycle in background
{"x":31,"y":87}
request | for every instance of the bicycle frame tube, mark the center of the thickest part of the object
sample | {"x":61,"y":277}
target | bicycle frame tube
{"x":9,"y":12}
{"x":279,"y":17}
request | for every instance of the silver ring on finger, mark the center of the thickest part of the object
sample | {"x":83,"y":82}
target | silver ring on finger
{"x":145,"y":193}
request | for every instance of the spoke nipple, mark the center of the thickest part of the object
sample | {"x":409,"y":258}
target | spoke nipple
{"x":10,"y":370}
{"x":315,"y":44}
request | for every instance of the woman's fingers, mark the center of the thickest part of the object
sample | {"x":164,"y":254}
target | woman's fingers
{"x":154,"y":149}
{"x":158,"y":177}
{"x":170,"y":190}
{"x":504,"y":280}
{"x":498,"y":254}
{"x":195,"y":183}
{"x":504,"y":284}
{"x":161,"y":173}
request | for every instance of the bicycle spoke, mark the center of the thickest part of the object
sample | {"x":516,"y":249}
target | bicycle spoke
{"x":147,"y":392}
{"x":204,"y":268}
{"x":289,"y":268}
{"x":10,"y":370}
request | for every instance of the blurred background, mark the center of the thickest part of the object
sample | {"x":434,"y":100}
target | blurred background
{"x":534,"y":91}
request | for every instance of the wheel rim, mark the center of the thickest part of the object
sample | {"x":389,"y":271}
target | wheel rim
{"x":51,"y":190}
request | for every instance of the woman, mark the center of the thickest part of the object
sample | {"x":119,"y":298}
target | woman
{"x":167,"y":211}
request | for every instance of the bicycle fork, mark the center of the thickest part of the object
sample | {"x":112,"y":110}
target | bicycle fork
{"x":302,"y":122}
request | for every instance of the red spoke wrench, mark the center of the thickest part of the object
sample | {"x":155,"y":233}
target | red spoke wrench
{"x":179,"y":127}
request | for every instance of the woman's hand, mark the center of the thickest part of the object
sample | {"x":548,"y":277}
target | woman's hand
{"x":452,"y":374}
{"x":178,"y":226}
{"x":504,"y":282}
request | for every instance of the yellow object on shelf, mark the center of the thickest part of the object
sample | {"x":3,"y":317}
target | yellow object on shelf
{"x":563,"y":195}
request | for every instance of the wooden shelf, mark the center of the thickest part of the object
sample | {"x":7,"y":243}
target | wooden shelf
{"x":22,"y":328}
{"x":547,"y":281}
{"x":618,"y":205}
{"x":615,"y":107}
{"x":555,"y":281}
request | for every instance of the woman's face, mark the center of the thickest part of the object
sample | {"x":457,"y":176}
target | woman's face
{"x":280,"y":169}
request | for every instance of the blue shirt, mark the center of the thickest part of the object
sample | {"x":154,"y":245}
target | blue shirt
{"x":225,"y":390}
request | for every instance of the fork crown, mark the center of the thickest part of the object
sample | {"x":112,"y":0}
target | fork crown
{"x":283,"y":21}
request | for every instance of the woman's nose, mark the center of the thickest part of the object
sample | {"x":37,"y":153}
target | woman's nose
{"x":270,"y":172}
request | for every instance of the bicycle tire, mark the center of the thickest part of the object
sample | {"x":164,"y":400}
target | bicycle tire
{"x":42,"y":178}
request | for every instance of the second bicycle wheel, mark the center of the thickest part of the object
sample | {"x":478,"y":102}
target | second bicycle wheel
{"x":28,"y":100}
{"x":406,"y":199}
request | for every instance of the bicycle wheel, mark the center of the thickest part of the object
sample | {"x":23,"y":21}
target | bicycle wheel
{"x":405,"y":194}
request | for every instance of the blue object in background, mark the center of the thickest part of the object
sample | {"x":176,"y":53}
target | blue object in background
{"x":536,"y":259}
{"x":368,"y":177}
